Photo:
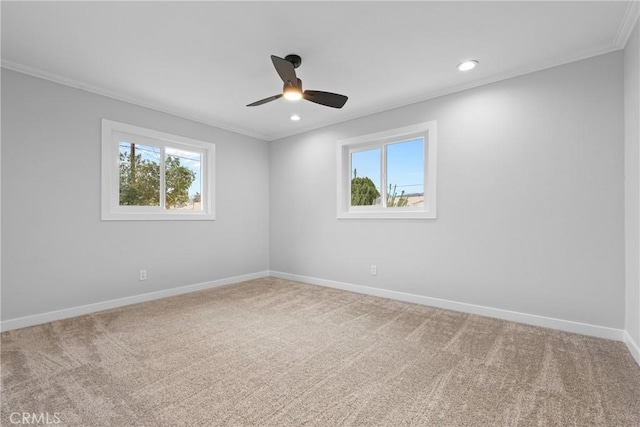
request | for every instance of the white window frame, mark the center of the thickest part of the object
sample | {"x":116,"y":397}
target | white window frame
{"x":111,"y":209}
{"x":425,"y":131}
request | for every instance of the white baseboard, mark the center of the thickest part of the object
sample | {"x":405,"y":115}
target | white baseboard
{"x":23,"y":322}
{"x":633,"y":346}
{"x":529,"y":319}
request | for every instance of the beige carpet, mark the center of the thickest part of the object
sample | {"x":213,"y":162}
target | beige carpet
{"x":272,"y":352}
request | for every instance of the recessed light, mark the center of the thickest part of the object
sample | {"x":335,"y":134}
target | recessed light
{"x":295,"y":117}
{"x":467,"y":65}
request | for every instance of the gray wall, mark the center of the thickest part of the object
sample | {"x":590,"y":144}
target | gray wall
{"x":58,"y":254}
{"x":632,"y":183}
{"x":530,"y":210}
{"x":530,"y":200}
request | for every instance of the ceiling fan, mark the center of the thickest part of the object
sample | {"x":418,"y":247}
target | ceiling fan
{"x":292,"y":88}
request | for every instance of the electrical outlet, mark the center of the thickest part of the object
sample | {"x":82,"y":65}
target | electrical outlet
{"x":374,"y":270}
{"x":143,"y":274}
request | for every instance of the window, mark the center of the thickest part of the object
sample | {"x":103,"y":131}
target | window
{"x":389,"y":174}
{"x":151,"y":175}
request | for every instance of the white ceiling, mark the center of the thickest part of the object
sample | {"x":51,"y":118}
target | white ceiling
{"x":207,"y":60}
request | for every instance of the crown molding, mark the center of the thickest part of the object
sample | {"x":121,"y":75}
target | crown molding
{"x":622,"y":36}
{"x":628,"y":22}
{"x":519,"y":72}
{"x":76,"y":84}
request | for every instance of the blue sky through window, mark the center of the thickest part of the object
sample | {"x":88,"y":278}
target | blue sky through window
{"x":366,"y":164}
{"x":405,"y":165}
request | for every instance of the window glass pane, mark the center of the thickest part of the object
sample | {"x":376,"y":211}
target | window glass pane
{"x":139,"y":174}
{"x":405,"y":174}
{"x":183,"y":172}
{"x":365,"y":177}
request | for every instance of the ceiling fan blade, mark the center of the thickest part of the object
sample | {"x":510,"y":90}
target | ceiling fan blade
{"x":285,"y":70}
{"x":329,"y":99}
{"x":264,"y":101}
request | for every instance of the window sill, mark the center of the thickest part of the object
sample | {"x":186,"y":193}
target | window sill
{"x":165,"y":216}
{"x":386,"y":215}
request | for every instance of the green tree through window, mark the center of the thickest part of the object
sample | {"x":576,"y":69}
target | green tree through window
{"x":140,"y":180}
{"x":178,"y":180}
{"x":363,"y":191}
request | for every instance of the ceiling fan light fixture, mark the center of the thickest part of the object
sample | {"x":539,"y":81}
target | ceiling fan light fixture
{"x":468,"y":65}
{"x":292,"y":89}
{"x":292,"y":93}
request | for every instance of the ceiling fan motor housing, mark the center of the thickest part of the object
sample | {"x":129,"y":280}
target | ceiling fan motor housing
{"x":294,"y":59}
